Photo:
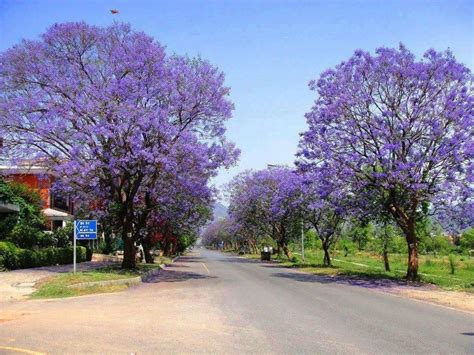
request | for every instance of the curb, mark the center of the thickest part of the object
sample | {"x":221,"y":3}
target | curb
{"x":129,"y":282}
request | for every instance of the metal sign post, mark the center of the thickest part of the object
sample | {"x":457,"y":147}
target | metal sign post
{"x":302,"y":240}
{"x":74,"y":247}
{"x":84,"y":230}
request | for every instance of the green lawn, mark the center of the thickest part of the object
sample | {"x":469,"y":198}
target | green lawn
{"x":57,"y":286}
{"x":433,"y":269}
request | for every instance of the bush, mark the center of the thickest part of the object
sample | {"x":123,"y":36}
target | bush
{"x":24,"y":228}
{"x":442,"y":245}
{"x":467,"y":240}
{"x":398,"y":245}
{"x":347,"y":247}
{"x":64,"y":236}
{"x":12,"y":257}
{"x":25,"y":236}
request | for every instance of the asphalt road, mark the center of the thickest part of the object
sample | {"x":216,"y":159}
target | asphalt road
{"x":208,"y":302}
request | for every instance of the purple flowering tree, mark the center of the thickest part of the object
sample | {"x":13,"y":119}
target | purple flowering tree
{"x":219,"y":231}
{"x":396,"y":128}
{"x":326,"y":206}
{"x":268,"y":203}
{"x":104,"y":107}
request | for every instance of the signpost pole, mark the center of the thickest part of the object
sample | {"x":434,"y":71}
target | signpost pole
{"x":302,"y":240}
{"x":74,"y":247}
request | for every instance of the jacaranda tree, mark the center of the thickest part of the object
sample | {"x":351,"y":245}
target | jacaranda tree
{"x":397,"y":128}
{"x":103,"y":107}
{"x":268,"y":202}
{"x":326,"y":206}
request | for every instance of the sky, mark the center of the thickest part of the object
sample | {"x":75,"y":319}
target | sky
{"x":269,"y":50}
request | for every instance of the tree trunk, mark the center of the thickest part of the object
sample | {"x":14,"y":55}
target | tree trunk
{"x":412,"y":270}
{"x":327,"y":256}
{"x":129,"y":252}
{"x":286,"y":250}
{"x":385,"y":260}
{"x":149,"y":259}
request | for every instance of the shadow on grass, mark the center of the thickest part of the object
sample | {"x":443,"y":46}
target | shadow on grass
{"x":177,"y":276}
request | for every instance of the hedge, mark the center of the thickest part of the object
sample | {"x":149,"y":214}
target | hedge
{"x":12,"y":257}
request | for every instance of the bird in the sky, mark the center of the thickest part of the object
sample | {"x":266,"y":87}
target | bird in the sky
{"x":114,"y":12}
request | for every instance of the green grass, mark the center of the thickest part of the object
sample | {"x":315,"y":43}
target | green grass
{"x":57,"y":286}
{"x":432,"y":269}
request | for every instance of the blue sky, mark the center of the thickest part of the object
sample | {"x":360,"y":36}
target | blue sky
{"x":269,"y":50}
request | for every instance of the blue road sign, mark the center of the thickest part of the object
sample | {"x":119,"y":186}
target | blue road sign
{"x":85,"y":229}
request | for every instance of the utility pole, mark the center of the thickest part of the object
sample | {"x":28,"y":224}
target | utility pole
{"x":302,"y":240}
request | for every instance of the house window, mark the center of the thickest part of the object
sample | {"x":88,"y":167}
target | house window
{"x":57,"y":225}
{"x":59,"y":201}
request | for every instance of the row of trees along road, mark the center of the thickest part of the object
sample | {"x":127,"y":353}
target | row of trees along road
{"x":129,"y":131}
{"x":389,"y":138}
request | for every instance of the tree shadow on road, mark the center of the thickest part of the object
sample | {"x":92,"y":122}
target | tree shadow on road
{"x":360,"y":280}
{"x":177,"y":276}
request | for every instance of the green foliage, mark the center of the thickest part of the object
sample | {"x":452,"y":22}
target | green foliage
{"x":467,"y":240}
{"x":312,"y":240}
{"x":63,"y":236}
{"x":452,"y":264}
{"x":7,"y":223}
{"x":441,"y":245}
{"x":24,"y":229}
{"x":398,"y":245}
{"x":26,"y":236}
{"x":184,"y":241}
{"x":348,"y":247}
{"x":266,"y":241}
{"x":360,"y":232}
{"x":12,"y":257}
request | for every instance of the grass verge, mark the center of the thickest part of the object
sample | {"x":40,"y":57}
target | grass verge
{"x":433,"y":269}
{"x":57,"y":286}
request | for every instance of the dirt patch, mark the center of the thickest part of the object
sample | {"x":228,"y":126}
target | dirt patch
{"x":455,"y":299}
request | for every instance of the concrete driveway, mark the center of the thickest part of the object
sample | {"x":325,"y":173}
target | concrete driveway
{"x":19,"y":284}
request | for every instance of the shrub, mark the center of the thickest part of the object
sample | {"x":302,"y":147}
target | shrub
{"x":7,"y":223}
{"x":46,"y":240}
{"x":24,"y":228}
{"x":398,"y":245}
{"x":467,"y":240}
{"x":12,"y":257}
{"x":442,"y":245}
{"x":25,"y":236}
{"x":63,"y":236}
{"x":347,"y":246}
{"x":9,"y":255}
{"x":312,"y":240}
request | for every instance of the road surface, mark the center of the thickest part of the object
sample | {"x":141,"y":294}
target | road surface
{"x":209,"y":302}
